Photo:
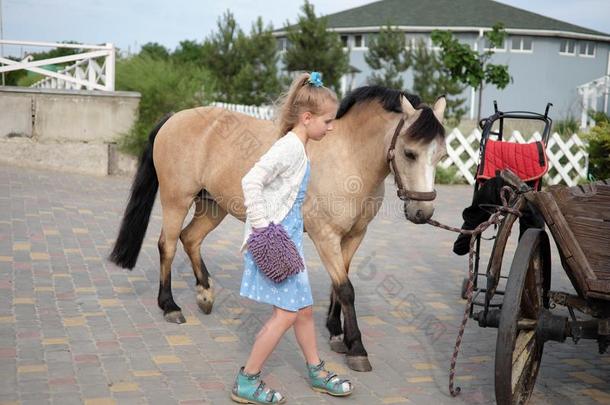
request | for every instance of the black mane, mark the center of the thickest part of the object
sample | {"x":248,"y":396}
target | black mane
{"x":425,"y":127}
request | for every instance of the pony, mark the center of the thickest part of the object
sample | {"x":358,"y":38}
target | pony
{"x":198,"y":157}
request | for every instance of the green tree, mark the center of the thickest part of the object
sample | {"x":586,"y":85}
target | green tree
{"x":154,"y":50}
{"x":164,"y":86}
{"x":257,"y":80}
{"x":388,"y":56}
{"x":469,"y":66}
{"x":430,"y":80}
{"x":244,"y":67}
{"x":222,"y":57}
{"x":312,"y":48}
{"x":188,"y":51}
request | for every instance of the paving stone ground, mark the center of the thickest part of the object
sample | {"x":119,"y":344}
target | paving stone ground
{"x":76,"y":329}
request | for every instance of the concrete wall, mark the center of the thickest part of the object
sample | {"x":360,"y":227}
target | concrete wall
{"x":71,"y":130}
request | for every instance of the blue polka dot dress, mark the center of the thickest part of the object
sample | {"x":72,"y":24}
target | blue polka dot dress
{"x":294,"y":292}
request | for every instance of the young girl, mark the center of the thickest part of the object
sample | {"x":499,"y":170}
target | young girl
{"x":274,"y":190}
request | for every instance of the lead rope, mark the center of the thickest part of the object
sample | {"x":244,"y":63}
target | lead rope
{"x":495,"y":219}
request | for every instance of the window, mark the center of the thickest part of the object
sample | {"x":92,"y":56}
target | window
{"x":414,"y":41}
{"x":344,"y":39}
{"x":501,"y":48}
{"x":281,"y":44}
{"x":567,"y":47}
{"x":521,"y":44}
{"x":358,"y":41}
{"x":587,"y":48}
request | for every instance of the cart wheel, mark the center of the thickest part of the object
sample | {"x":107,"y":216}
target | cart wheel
{"x":464,"y":288}
{"x":518,"y":348}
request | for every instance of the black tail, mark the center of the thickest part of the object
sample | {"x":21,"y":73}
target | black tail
{"x":140,"y":205}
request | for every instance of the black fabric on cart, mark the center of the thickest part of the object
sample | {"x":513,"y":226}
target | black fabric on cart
{"x":489,"y":193}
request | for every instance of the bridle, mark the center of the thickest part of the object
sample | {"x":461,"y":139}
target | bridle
{"x":402,"y":192}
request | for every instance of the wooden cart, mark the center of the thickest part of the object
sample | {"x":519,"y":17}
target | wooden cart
{"x":578,"y":218}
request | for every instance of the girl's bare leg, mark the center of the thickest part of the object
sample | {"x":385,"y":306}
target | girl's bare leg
{"x":304,"y":330}
{"x":268,"y":338}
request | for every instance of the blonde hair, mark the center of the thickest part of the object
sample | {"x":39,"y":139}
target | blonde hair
{"x":300,"y":97}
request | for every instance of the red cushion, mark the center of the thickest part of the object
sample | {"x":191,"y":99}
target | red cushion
{"x":526,"y":160}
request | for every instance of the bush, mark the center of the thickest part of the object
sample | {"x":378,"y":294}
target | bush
{"x":598,"y":116}
{"x":448,"y":176}
{"x":165,"y":86}
{"x":599,"y":150}
{"x":29,"y":79}
{"x":567,"y":127}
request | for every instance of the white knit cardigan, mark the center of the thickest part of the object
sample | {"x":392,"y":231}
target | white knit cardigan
{"x":272,"y":184}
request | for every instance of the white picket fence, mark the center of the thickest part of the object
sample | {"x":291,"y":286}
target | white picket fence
{"x":93,"y":68}
{"x":263,"y":112}
{"x":568,"y":159}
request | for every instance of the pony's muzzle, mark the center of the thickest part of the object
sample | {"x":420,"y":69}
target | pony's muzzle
{"x":418,"y":212}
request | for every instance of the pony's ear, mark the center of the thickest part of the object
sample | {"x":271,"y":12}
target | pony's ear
{"x":407,"y":108}
{"x":439,"y":107}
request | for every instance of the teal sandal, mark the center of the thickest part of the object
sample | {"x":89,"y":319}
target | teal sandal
{"x":328,"y":383}
{"x":250,"y":389}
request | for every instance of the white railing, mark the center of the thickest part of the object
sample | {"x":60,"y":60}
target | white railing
{"x":93,"y":69}
{"x":568,"y":158}
{"x":263,"y":112}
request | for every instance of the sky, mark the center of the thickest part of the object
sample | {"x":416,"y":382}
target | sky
{"x":131,"y":23}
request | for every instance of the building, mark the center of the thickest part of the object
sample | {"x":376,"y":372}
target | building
{"x":549,"y":60}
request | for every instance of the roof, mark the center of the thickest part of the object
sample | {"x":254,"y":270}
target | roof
{"x":447,"y":13}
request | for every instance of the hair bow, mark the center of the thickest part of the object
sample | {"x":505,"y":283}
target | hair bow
{"x":315,"y":79}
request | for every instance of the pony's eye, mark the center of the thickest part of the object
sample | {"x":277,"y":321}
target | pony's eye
{"x":410,"y":155}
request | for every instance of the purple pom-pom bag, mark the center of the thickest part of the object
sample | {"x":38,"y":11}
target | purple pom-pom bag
{"x":275,"y":253}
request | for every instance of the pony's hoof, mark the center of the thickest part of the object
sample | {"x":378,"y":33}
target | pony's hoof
{"x":175,"y":317}
{"x":359,"y":363}
{"x":205,"y":305}
{"x":205,"y":298}
{"x":337,"y":345}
